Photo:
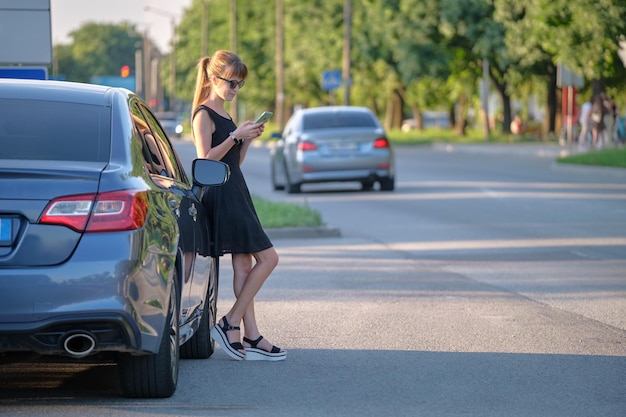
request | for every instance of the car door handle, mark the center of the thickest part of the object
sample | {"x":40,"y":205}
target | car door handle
{"x":193,"y":211}
{"x":175,"y":206}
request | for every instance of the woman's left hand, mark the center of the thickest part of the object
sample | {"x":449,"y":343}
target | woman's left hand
{"x":250,"y":130}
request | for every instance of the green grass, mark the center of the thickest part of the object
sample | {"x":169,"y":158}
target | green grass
{"x":276,"y":215}
{"x":614,"y":157}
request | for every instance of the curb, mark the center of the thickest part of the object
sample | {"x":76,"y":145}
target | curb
{"x":539,"y":150}
{"x":591,"y":169}
{"x":303,"y":232}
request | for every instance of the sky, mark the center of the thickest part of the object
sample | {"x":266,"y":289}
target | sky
{"x":69,"y":15}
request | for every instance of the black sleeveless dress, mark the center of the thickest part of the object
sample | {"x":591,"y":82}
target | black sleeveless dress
{"x":238,"y":227}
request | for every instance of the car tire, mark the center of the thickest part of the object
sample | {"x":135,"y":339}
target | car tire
{"x":275,"y":185}
{"x":367,"y":185}
{"x":387,"y":184}
{"x":292,"y":188}
{"x":201,"y":345}
{"x":155,"y":375}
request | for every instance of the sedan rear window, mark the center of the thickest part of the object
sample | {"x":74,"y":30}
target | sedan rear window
{"x":333,"y":120}
{"x":47,"y":130}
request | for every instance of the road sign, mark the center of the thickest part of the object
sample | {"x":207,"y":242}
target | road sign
{"x":566,"y":77}
{"x":114,"y":81}
{"x":24,"y":73}
{"x":25,"y":32}
{"x":331,"y":80}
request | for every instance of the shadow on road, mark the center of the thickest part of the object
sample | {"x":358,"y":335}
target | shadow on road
{"x":346,"y":382}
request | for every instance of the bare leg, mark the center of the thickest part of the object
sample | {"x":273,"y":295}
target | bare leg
{"x":247,"y":282}
{"x":594,"y":135}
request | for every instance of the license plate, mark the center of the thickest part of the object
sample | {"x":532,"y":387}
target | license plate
{"x":343,"y":146}
{"x":6,"y":234}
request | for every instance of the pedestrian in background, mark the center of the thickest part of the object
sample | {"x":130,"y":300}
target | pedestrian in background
{"x":583,"y":120}
{"x":598,"y":111}
{"x":216,"y":136}
{"x":609,"y":119}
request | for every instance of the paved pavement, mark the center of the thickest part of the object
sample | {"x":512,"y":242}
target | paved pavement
{"x":540,"y":150}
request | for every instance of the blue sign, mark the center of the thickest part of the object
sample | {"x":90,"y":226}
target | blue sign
{"x":24,"y":73}
{"x":331,"y":80}
{"x":114,"y":81}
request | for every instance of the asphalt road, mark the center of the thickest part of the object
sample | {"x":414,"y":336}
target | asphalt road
{"x":490,"y":283}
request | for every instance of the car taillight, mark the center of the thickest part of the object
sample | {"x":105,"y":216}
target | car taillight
{"x":307,"y":146}
{"x":104,"y":212}
{"x":381,"y":143}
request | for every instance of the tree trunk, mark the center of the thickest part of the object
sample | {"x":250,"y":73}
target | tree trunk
{"x":552,"y":100}
{"x":393,"y":116}
{"x":460,"y":122}
{"x":417,"y":117}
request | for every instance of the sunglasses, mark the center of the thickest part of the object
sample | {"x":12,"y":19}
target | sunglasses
{"x":233,"y":83}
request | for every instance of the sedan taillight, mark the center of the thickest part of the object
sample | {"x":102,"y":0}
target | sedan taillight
{"x":307,"y":146}
{"x":381,"y":143}
{"x":104,"y":212}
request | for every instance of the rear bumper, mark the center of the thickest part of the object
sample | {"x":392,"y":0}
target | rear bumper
{"x":110,"y":331}
{"x":336,"y":176}
{"x":116,"y":298}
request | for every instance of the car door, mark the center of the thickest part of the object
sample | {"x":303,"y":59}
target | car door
{"x":166,"y":170}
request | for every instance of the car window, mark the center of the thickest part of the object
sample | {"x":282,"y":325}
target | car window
{"x":159,"y":155}
{"x":333,"y":120}
{"x":50,"y":130}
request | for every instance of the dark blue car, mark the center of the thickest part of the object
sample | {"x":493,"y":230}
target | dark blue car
{"x":105,"y":247}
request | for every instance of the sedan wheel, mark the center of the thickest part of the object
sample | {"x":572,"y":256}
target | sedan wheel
{"x":155,"y":375}
{"x":201,"y":346}
{"x":387,"y":184}
{"x":275,"y":185}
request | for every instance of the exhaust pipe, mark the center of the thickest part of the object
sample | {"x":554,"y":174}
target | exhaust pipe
{"x":79,"y":344}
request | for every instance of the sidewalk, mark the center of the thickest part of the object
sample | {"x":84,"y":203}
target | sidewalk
{"x":540,"y":150}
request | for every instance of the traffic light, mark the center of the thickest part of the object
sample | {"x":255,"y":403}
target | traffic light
{"x":125,"y":71}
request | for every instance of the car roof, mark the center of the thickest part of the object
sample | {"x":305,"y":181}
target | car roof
{"x":57,"y":91}
{"x":335,"y":109}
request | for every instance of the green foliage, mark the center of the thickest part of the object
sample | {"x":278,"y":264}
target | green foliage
{"x":98,"y":49}
{"x":407,"y":55}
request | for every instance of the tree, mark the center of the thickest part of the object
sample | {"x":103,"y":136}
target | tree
{"x":581,"y":34}
{"x":98,"y":49}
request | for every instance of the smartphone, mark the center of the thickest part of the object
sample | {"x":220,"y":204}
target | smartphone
{"x":264,"y":117}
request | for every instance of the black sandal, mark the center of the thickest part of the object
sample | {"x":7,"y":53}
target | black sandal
{"x":253,"y":353}
{"x":218,"y":333}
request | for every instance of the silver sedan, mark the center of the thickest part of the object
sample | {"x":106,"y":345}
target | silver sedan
{"x":330,"y":144}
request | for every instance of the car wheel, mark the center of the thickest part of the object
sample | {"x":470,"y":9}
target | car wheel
{"x":155,"y":375}
{"x":387,"y":184}
{"x":367,"y":185}
{"x":201,"y":346}
{"x":292,"y":188}
{"x":275,"y":185}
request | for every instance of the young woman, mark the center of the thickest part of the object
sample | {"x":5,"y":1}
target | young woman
{"x":216,"y":136}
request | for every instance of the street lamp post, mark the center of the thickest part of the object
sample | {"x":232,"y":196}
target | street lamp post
{"x":172,"y":18}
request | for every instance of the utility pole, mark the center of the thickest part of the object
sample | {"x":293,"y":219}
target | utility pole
{"x":172,"y":18}
{"x":484,"y":98}
{"x":280,"y":66}
{"x":204,"y":49}
{"x":347,"y":46}
{"x":233,"y":47}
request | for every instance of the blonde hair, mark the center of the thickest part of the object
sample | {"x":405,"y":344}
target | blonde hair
{"x":224,"y":64}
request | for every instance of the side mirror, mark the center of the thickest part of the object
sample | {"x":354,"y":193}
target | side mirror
{"x":206,"y":172}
